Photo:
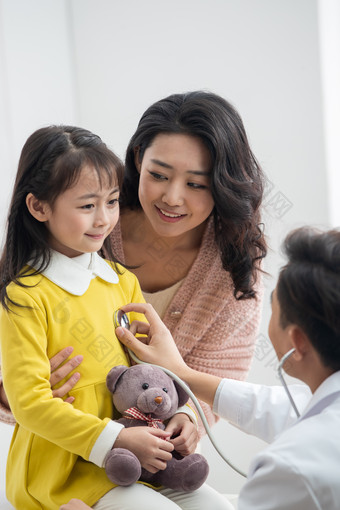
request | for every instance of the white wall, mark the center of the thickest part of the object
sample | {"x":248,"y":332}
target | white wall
{"x":100,"y":63}
{"x":329,"y":33}
{"x":37,"y":81}
{"x":36,"y":88}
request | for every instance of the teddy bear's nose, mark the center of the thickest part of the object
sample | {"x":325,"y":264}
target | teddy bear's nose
{"x":158,"y":400}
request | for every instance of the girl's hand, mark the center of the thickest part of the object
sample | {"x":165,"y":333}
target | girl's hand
{"x":151,"y":446}
{"x":60,"y":372}
{"x":75,"y":504}
{"x":185,"y":432}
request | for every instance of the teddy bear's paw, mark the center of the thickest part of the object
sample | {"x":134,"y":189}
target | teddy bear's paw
{"x":194,"y":472}
{"x":122,"y":467}
{"x":186,"y":474}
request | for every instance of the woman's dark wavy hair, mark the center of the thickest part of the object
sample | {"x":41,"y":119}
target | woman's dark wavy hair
{"x":237,"y":180}
{"x":50,"y":162}
{"x":308,"y":289}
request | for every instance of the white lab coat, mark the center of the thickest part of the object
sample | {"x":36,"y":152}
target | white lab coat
{"x":300,"y":469}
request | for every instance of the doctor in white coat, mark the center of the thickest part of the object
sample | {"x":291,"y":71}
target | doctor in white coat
{"x":300,"y":469}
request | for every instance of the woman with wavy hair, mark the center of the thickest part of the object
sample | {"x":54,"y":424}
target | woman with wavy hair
{"x":190,"y":229}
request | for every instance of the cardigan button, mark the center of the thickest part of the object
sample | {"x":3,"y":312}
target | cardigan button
{"x":176,"y":314}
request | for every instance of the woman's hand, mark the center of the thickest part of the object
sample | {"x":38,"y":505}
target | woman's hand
{"x":58,"y":373}
{"x":184,"y":433}
{"x":151,"y":446}
{"x":156,"y":346}
{"x":75,"y":504}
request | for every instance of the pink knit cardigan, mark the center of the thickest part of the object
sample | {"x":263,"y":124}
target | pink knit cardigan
{"x":214,"y":332}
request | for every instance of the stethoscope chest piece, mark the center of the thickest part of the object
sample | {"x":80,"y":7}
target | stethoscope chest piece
{"x":120,"y":319}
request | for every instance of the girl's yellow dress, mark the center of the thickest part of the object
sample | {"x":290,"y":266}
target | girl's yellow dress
{"x":48,"y":461}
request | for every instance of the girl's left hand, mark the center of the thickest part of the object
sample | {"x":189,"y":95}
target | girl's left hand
{"x":185,"y":432}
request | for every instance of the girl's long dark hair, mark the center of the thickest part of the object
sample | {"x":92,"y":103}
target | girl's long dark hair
{"x":50,"y":162}
{"x":237,"y":180}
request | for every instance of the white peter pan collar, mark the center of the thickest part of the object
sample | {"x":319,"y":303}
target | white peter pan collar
{"x":75,"y":274}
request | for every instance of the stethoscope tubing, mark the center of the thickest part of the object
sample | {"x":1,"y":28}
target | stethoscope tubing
{"x":117,"y":322}
{"x":199,"y":410}
{"x":284,"y":384}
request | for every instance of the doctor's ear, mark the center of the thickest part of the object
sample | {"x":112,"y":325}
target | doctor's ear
{"x":39,"y":209}
{"x":299,"y":341}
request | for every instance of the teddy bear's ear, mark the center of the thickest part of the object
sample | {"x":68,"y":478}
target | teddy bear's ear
{"x":183,"y":397}
{"x":113,"y":376}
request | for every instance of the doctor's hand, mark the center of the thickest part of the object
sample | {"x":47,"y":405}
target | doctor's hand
{"x":156,"y":344}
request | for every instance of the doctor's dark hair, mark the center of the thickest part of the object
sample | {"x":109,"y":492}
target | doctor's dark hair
{"x":51,"y":162}
{"x":308,"y":289}
{"x":236,"y":178}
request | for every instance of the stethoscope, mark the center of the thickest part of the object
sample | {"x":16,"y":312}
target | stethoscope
{"x":284,"y":384}
{"x":121,"y":319}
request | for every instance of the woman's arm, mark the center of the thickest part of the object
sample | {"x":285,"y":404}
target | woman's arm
{"x":59,"y":371}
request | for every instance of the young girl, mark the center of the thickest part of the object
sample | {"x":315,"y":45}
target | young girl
{"x":55,"y":287}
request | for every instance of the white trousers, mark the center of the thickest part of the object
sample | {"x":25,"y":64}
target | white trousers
{"x":144,"y":498}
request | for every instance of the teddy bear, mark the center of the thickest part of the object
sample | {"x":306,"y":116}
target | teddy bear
{"x":146,"y":396}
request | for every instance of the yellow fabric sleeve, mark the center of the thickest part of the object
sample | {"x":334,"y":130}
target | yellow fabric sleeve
{"x":26,"y":372}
